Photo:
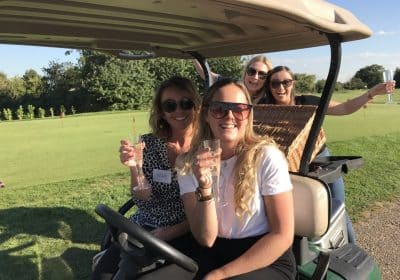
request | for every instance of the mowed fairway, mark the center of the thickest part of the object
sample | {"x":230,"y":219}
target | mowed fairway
{"x":57,"y":170}
{"x":52,"y":150}
{"x":376,"y":119}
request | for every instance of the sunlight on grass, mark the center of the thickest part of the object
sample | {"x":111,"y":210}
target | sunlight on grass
{"x":57,"y":172}
{"x":63,"y":147}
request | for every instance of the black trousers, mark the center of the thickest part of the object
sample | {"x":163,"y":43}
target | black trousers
{"x":226,"y":250}
{"x":107,"y":266}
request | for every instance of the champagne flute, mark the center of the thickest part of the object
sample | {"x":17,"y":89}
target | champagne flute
{"x":214,"y":146}
{"x":387,"y":77}
{"x":137,"y":144}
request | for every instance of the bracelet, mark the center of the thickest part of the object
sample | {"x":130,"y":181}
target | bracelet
{"x":201,"y":198}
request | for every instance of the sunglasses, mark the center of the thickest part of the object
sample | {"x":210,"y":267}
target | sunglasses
{"x":252,"y":72}
{"x":220,"y":110}
{"x":277,"y":84}
{"x":170,"y":105}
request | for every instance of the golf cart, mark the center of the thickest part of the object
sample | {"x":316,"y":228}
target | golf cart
{"x":204,"y":29}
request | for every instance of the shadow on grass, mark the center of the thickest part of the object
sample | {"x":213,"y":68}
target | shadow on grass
{"x":47,"y":243}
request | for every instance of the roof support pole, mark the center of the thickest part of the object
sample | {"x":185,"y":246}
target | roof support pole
{"x":336,"y":55}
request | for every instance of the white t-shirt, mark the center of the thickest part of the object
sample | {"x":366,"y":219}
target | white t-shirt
{"x":272,"y":178}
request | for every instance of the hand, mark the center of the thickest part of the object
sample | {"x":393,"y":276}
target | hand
{"x":141,"y":193}
{"x":128,"y":155}
{"x":126,"y":152}
{"x":382,"y":88}
{"x":201,"y":166}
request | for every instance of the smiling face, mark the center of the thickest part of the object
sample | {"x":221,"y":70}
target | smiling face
{"x":229,"y":129}
{"x":255,"y":75}
{"x":281,"y":86}
{"x":180,"y":118}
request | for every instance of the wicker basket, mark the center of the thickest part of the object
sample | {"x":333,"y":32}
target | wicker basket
{"x":289,"y":126}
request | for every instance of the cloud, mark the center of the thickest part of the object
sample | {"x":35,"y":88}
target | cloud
{"x":385,"y":33}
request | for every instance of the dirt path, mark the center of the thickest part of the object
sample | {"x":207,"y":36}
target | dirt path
{"x":379,"y":234}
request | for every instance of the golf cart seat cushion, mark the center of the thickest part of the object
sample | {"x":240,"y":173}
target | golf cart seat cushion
{"x":311,"y":206}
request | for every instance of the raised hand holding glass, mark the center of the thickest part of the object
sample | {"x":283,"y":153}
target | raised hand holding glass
{"x":215,"y":167}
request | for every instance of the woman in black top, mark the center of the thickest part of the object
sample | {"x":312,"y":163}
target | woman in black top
{"x":280,"y":91}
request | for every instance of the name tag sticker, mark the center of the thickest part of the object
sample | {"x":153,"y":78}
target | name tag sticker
{"x":162,"y":176}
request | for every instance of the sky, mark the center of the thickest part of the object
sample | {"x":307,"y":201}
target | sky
{"x":382,"y":48}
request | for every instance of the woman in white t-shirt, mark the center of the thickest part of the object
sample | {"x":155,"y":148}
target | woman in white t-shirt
{"x":251,"y":236}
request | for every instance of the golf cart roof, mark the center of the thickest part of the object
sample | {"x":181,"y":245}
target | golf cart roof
{"x":174,"y":28}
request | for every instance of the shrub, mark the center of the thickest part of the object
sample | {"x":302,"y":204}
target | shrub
{"x":31,"y":112}
{"x":7,"y":113}
{"x":41,"y":113}
{"x":20,"y":112}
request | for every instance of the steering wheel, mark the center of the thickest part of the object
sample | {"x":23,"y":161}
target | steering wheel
{"x":155,"y":245}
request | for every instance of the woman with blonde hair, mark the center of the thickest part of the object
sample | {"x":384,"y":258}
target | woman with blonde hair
{"x":251,"y":235}
{"x":254,"y":75}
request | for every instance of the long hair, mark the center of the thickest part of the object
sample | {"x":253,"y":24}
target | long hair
{"x":269,"y":98}
{"x":248,"y":150}
{"x":258,"y":58}
{"x":158,"y":125}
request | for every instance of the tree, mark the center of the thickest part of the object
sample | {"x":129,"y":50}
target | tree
{"x":305,"y":83}
{"x":228,"y":66}
{"x":61,"y":84}
{"x":32,"y":82}
{"x":164,"y":68}
{"x":3,"y":82}
{"x":370,"y":75}
{"x":319,"y":85}
{"x":15,"y":88}
{"x":355,"y":83}
{"x":396,"y":77}
{"x":116,"y":84}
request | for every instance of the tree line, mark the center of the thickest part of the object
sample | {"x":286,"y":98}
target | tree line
{"x":100,"y":82}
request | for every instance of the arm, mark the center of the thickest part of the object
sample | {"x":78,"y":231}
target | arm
{"x":352,"y":105}
{"x":171,"y":232}
{"x":271,"y":246}
{"x":201,"y":215}
{"x":199,"y":69}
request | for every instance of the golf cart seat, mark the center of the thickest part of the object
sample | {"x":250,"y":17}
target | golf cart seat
{"x":311,"y":204}
{"x":320,"y":223}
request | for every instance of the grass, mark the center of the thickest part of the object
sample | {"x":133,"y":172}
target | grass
{"x":57,"y":171}
{"x":50,"y":231}
{"x":29,"y":150}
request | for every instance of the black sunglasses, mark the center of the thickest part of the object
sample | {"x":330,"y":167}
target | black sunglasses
{"x":171,"y":105}
{"x":219,"y":110}
{"x":277,"y":84}
{"x":252,"y":72}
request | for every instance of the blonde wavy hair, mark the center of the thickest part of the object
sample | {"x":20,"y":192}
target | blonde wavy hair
{"x":248,"y":151}
{"x":259,"y":94}
{"x":258,"y":58}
